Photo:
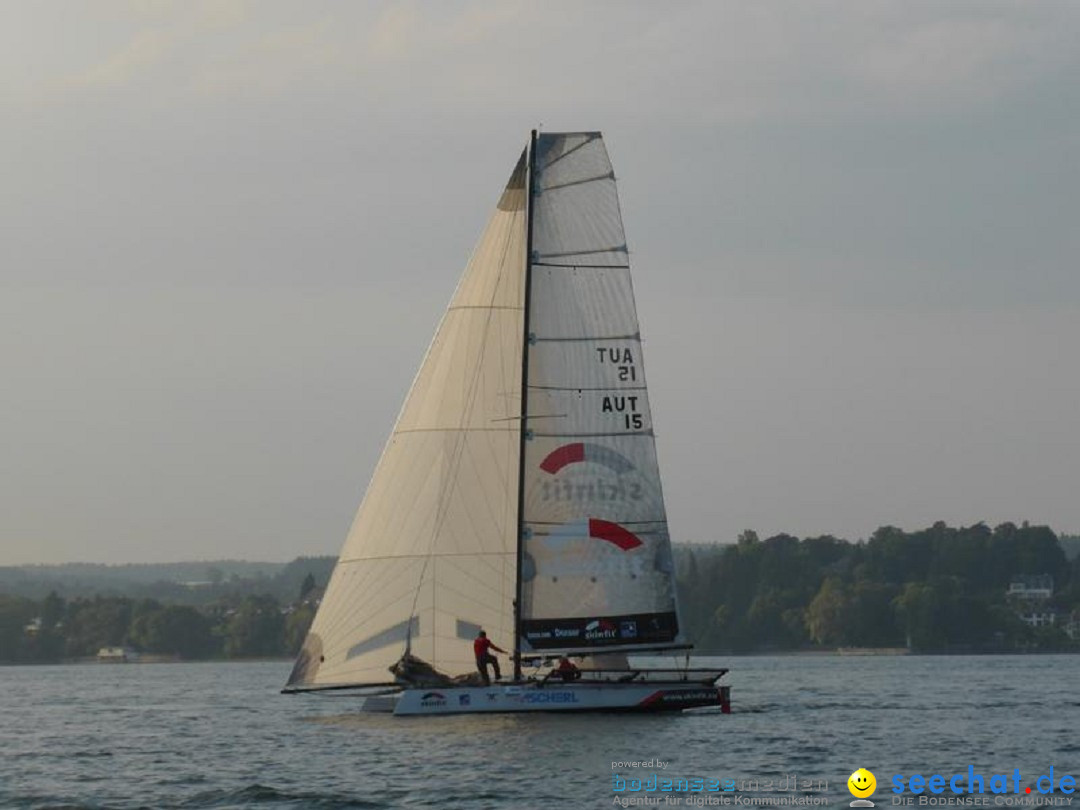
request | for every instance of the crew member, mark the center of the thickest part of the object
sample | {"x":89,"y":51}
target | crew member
{"x":567,"y":670}
{"x":481,"y":646}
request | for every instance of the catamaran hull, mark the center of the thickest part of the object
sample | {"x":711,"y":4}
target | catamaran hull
{"x":613,"y":697}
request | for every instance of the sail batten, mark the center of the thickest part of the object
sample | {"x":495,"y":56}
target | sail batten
{"x":577,"y":182}
{"x":583,"y":266}
{"x":585,"y":388}
{"x":585,"y":252}
{"x":582,"y":338}
{"x":647,"y":434}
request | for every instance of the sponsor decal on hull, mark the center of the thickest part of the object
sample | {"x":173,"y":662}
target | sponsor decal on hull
{"x":545,"y":696}
{"x":685,"y":698}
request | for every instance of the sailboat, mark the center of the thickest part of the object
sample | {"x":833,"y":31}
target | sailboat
{"x":519,"y":491}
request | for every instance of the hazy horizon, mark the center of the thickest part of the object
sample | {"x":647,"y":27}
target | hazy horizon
{"x":231,"y":228}
{"x":211,"y":561}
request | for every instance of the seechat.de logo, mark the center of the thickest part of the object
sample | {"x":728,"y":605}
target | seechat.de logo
{"x":971,"y":782}
{"x":862,"y":784}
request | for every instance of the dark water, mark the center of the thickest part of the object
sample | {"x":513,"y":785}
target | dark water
{"x":220,"y":736}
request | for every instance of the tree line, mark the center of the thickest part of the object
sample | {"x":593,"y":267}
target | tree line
{"x":941,"y":589}
{"x":248,"y":626}
{"x":185,"y":583}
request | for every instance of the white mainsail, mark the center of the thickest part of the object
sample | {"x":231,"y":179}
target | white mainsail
{"x":596,"y":564}
{"x":433,"y":554}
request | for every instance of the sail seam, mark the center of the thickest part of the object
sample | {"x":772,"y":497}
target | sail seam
{"x":363,"y":584}
{"x":480,"y":306}
{"x":538,"y":338}
{"x":609,"y":176}
{"x":612,"y":249}
{"x":586,"y":388}
{"x":453,"y":430}
{"x":492,"y":572}
{"x":594,"y":435}
{"x":418,"y":556}
{"x":582,"y":266}
{"x":374,"y":597}
{"x":467,"y":597}
{"x":621,"y":522}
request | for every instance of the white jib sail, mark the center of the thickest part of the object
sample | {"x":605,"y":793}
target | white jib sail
{"x":431,"y":556}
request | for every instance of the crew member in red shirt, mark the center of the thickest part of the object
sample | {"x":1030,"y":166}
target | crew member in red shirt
{"x":481,"y":645}
{"x":567,"y":670}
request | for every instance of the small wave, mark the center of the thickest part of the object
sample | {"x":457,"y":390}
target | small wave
{"x":28,"y":802}
{"x":752,"y":708}
{"x":831,"y":704}
{"x":65,"y":755}
{"x":265,"y":795}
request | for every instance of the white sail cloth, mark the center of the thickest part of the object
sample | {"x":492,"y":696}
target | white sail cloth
{"x":431,"y":556}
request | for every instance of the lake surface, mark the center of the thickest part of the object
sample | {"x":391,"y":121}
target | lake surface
{"x":220,"y":736}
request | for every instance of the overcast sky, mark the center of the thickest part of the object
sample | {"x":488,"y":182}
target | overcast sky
{"x":228,"y":229}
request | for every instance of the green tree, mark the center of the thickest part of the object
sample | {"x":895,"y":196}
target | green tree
{"x":175,"y":630}
{"x":15,"y":614}
{"x":95,"y":623}
{"x":297,"y":624}
{"x":919,"y":610}
{"x":48,"y":644}
{"x":256,"y":628}
{"x":307,"y":586}
{"x":872,"y":621}
{"x":827,"y":615}
{"x":748,"y":537}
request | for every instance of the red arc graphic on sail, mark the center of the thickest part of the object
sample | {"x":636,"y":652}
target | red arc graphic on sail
{"x":617,"y":535}
{"x":585,"y":451}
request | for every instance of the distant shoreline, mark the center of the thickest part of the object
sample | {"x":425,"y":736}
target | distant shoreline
{"x":148,"y":660}
{"x":870,"y":652}
{"x":885,"y":652}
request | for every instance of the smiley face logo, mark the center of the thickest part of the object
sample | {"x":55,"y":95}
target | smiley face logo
{"x":861,"y":783}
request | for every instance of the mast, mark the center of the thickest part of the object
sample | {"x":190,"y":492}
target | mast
{"x":524,"y":402}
